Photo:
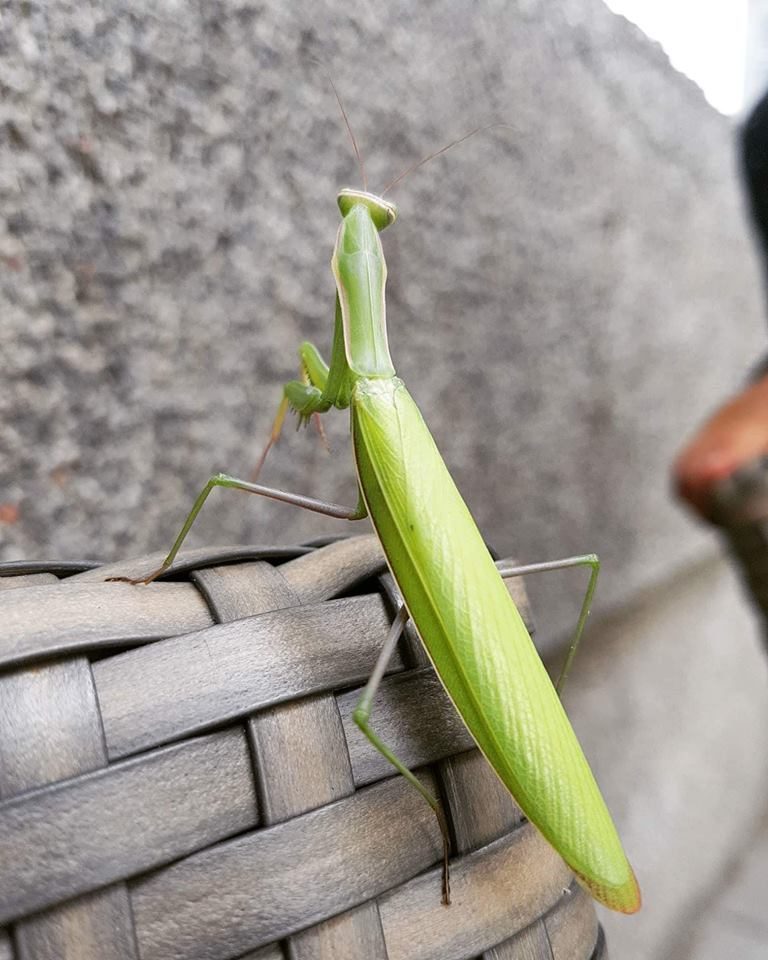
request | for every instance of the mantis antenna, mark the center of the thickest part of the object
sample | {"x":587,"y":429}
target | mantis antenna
{"x":445,"y":149}
{"x":348,"y":125}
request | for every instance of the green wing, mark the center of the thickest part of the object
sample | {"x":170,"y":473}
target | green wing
{"x":477,"y":640}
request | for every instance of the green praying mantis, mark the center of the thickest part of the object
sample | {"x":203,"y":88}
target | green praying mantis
{"x":451,"y":588}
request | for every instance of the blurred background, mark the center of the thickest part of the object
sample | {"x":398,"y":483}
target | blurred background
{"x":567,"y":300}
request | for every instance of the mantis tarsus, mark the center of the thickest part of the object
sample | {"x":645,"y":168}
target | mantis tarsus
{"x":451,"y":588}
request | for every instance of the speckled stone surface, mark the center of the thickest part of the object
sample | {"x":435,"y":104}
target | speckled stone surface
{"x":566,"y":298}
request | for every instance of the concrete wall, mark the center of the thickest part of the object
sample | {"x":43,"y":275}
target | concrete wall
{"x":566,"y":299}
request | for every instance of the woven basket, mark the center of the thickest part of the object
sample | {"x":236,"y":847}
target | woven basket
{"x":180,"y":776}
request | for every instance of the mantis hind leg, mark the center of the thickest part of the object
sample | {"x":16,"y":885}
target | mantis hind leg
{"x":361,"y":716}
{"x":590,"y":560}
{"x":304,"y":396}
{"x":362,"y":712}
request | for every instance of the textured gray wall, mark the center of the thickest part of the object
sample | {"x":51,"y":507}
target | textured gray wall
{"x":566,"y":299}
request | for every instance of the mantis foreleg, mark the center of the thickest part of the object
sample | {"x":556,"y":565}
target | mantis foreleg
{"x":274,"y":436}
{"x":305,"y":396}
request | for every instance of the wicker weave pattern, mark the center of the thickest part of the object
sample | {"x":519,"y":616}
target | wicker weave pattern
{"x":180,"y":776}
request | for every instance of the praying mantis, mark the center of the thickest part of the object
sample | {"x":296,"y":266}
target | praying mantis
{"x":451,"y":588}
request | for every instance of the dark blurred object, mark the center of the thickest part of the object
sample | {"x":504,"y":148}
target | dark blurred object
{"x":754,"y":156}
{"x":741,"y":511}
{"x":737,"y":432}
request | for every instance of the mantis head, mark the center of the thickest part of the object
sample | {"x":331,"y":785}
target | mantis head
{"x":382,"y":212}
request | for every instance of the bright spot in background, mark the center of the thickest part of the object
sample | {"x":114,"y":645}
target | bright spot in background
{"x":704,"y":39}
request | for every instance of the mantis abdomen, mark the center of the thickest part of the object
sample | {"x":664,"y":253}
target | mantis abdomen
{"x":476,"y":638}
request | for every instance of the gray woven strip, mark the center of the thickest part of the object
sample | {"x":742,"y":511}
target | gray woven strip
{"x":280,"y":834}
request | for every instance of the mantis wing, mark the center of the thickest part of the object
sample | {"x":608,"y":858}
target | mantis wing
{"x":477,"y":640}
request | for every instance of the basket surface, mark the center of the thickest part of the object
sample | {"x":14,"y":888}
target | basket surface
{"x":180,"y":775}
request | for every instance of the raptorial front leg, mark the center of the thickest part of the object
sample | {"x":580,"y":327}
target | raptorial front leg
{"x":304,"y":397}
